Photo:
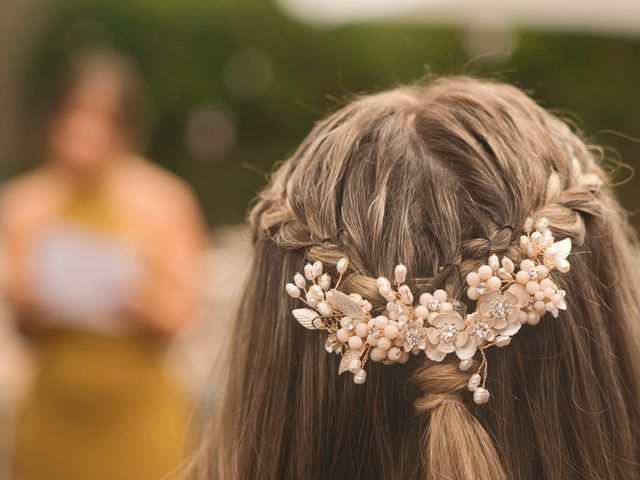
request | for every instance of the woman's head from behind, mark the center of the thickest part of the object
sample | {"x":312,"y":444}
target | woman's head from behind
{"x":95,"y":112}
{"x":437,"y":178}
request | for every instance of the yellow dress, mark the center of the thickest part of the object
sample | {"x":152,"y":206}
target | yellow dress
{"x":101,"y":406}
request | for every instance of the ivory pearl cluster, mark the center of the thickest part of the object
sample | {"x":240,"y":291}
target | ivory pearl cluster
{"x":505,"y":296}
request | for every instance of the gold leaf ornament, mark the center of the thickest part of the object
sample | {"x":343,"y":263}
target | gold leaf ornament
{"x":345,"y":304}
{"x":306,"y":317}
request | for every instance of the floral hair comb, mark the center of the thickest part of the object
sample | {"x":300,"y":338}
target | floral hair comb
{"x":506,"y":298}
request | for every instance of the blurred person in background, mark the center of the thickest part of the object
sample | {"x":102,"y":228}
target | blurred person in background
{"x":102,"y":251}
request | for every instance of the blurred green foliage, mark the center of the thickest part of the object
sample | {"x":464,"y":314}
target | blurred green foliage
{"x":183,"y":47}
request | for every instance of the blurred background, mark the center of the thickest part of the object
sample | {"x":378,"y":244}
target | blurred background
{"x":234,"y":85}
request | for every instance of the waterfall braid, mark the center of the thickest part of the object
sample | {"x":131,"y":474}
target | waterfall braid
{"x":436,"y":177}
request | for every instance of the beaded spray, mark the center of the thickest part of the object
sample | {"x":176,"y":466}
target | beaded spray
{"x":506,"y":298}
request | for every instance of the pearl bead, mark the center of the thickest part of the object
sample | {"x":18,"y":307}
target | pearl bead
{"x":325,"y":281}
{"x":549,"y":306}
{"x":292,"y":290}
{"x":494,"y":283}
{"x":381,"y":321}
{"x":394,"y":354}
{"x":299,"y":281}
{"x":383,"y":281}
{"x":465,"y":365}
{"x":533,"y":318}
{"x":446,"y":307}
{"x":473,"y":279}
{"x":356,"y":297}
{"x":384,"y":343}
{"x":551,"y":253}
{"x":524,"y":241}
{"x":405,"y":294}
{"x":547,"y":283}
{"x":481,"y":395}
{"x":377,"y":354}
{"x":440,"y":295}
{"x":425,"y":299}
{"x":362,"y":330}
{"x":371,"y":340}
{"x":532,"y":287}
{"x":308,"y":271}
{"x":316,"y":291}
{"x":384,"y":290}
{"x":494,"y":262}
{"x":317,"y":269}
{"x":355,"y":343}
{"x":400,"y":273}
{"x":366,"y":305}
{"x":487,"y":395}
{"x":508,"y":265}
{"x":528,"y":225}
{"x":359,"y":376}
{"x":539,"y":307}
{"x":324,"y":309}
{"x":522,"y":277}
{"x":536,"y":237}
{"x":343,"y":335}
{"x":543,"y":224}
{"x":532,"y":250}
{"x":312,"y":301}
{"x":522,"y":317}
{"x":539,"y":295}
{"x":474,"y":381}
{"x":346,"y":322}
{"x":527,"y":265}
{"x":556,"y":299}
{"x":485,"y":272}
{"x":562,"y":265}
{"x":472,"y":293}
{"x":542,"y":271}
{"x":342,"y":265}
{"x":391,"y":332}
{"x":421,"y":311}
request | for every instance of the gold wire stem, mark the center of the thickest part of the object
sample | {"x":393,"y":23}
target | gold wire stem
{"x":484,"y":367}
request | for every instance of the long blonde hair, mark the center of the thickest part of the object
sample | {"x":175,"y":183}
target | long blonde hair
{"x":436,"y":176}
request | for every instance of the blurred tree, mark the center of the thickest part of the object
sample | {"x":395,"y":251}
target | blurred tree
{"x":236,"y":84}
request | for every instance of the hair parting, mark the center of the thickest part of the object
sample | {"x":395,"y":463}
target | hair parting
{"x":436,"y":176}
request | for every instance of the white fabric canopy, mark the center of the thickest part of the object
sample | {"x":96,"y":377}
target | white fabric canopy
{"x":620,"y":17}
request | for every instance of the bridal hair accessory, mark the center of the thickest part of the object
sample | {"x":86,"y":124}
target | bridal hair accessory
{"x":506,"y":297}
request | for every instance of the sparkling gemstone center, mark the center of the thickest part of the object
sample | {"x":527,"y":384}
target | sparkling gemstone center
{"x":498,"y":309}
{"x":482,"y":331}
{"x":448,"y":333}
{"x":413,"y":338}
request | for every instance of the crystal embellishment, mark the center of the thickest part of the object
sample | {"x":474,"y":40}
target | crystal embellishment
{"x":448,"y":333}
{"x":482,"y":331}
{"x":413,"y":338}
{"x":498,"y":310}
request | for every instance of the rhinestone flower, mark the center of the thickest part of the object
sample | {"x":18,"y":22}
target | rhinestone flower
{"x":446,"y":335}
